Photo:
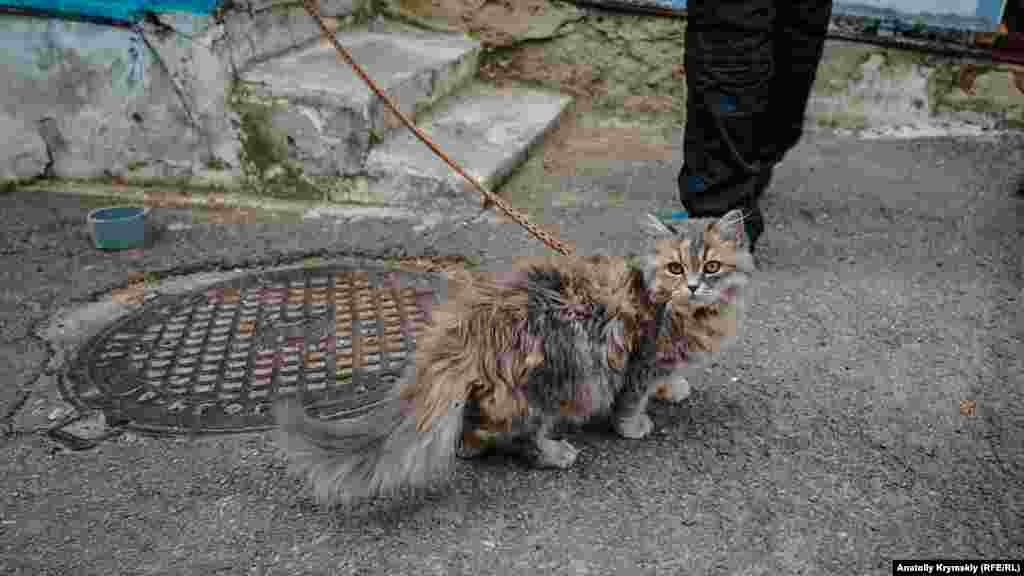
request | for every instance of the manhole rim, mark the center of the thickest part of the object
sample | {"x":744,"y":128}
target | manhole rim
{"x":77,"y":369}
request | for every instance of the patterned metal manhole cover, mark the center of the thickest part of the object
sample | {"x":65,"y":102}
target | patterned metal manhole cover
{"x":217,"y":359}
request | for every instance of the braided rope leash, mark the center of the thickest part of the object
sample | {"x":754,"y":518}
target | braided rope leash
{"x":490,"y":199}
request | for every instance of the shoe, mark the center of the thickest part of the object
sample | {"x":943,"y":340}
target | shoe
{"x":753,"y":225}
{"x":753,"y":222}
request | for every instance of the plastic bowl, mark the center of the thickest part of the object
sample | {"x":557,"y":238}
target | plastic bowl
{"x":118,"y":227}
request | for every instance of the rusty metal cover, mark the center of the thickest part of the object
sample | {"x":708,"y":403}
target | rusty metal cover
{"x":215,"y":360}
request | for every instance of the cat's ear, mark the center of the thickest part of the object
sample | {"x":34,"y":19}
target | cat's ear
{"x":731,"y":229}
{"x":657,"y":226}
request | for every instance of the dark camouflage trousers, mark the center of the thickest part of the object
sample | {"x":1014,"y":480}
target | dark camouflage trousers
{"x":750,"y":66}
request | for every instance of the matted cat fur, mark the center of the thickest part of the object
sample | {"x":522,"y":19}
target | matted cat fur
{"x":508,"y":357}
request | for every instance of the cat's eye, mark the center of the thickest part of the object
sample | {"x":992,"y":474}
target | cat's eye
{"x":712,"y":267}
{"x":675,"y":268}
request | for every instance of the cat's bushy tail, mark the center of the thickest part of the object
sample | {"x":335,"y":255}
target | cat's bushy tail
{"x":395,"y":448}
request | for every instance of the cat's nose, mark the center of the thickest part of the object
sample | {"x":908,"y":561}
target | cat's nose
{"x":693,"y":288}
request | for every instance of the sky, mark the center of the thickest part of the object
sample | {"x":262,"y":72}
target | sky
{"x":960,"y":7}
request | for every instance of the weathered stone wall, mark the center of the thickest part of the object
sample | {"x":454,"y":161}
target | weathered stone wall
{"x":257,"y":30}
{"x":862,"y":86}
{"x":82,"y":100}
{"x":107,"y":100}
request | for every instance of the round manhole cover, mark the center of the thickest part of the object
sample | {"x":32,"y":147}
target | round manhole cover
{"x":217,"y":359}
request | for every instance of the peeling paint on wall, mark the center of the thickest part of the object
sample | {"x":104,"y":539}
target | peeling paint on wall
{"x":117,"y":98}
{"x":117,"y":10}
{"x":144,"y":101}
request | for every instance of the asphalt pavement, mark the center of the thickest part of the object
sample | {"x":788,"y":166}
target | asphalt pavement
{"x":873,"y":411}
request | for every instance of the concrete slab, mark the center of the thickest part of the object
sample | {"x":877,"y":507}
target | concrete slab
{"x":257,"y":30}
{"x":331,"y":113}
{"x":21,"y":363}
{"x":488,"y":131}
{"x":23,"y":152}
{"x":160,"y":110}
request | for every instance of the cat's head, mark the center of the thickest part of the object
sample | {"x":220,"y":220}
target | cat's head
{"x":700,"y":260}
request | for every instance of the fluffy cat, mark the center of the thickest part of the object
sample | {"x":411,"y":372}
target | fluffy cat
{"x":706,"y":319}
{"x":560,"y":338}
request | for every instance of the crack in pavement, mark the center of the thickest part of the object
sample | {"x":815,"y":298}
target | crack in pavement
{"x":7,"y":421}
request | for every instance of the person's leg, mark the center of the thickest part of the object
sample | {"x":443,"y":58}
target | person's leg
{"x":800,"y":31}
{"x":729,"y":70}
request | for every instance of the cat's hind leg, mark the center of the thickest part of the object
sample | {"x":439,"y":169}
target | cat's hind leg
{"x":539,"y":449}
{"x":478,"y":440}
{"x":555,"y":454}
{"x":546,"y":452}
{"x":634,"y":427}
{"x":551,"y":453}
{"x":528,"y":437}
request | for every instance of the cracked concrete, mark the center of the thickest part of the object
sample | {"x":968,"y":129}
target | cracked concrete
{"x":489,"y":131}
{"x":329,"y":118}
{"x":21,"y":361}
{"x":109,"y":101}
{"x":255,"y":31}
{"x":23,"y":153}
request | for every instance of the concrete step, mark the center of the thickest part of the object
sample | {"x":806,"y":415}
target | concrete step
{"x":488,"y":131}
{"x":261,"y":29}
{"x":327,"y":115}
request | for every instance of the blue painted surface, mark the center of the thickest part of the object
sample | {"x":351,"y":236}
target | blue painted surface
{"x":36,"y":50}
{"x":120,"y":10}
{"x":666,"y":215}
{"x":991,"y":10}
{"x":672,"y":4}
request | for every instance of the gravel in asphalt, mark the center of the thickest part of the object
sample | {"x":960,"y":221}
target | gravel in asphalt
{"x":832,"y":440}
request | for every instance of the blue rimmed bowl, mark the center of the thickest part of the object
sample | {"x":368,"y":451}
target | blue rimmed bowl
{"x":118,"y":227}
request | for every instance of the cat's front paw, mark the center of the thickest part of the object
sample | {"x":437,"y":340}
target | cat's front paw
{"x":555,"y":454}
{"x":635,"y":427}
{"x":675,"y":391}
